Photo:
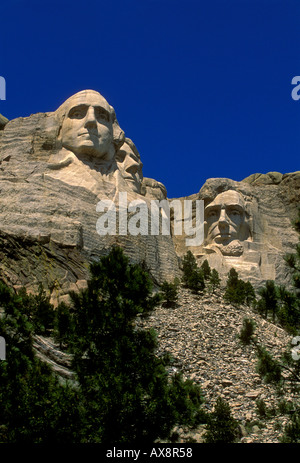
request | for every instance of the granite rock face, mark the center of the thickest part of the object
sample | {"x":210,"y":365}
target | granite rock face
{"x":3,"y":122}
{"x":248,"y":225}
{"x":59,"y":169}
{"x":50,"y":192}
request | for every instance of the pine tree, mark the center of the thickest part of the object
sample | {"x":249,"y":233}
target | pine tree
{"x":193,"y":276}
{"x":39,"y":310}
{"x":269,"y":299}
{"x":196,"y":281}
{"x":222,"y":428}
{"x":189,"y":266}
{"x":247,"y":331}
{"x":214,"y":280}
{"x":63,"y":328}
{"x":235,"y":292}
{"x":206,"y":269}
{"x":250,"y":296}
{"x":35,"y":406}
{"x":127,"y":394}
{"x":169,"y":293}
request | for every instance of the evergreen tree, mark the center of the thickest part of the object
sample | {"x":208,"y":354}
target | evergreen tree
{"x":214,"y":280}
{"x":38,"y":309}
{"x":235,"y":291}
{"x":169,"y":293}
{"x":206,"y":269}
{"x":196,"y":281}
{"x":193,"y":276}
{"x":35,"y":407}
{"x":63,"y":327}
{"x":247,"y":331}
{"x":288,"y":311}
{"x":222,"y":428}
{"x":122,"y":392}
{"x":250,"y":296}
{"x":269,"y":299}
{"x":189,"y":266}
{"x":127,"y":394}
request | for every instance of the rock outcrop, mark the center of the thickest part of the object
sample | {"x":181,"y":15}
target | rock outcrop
{"x":61,"y":176}
{"x":248,"y":225}
{"x":50,"y":194}
{"x":3,"y":122}
{"x":202,"y":336}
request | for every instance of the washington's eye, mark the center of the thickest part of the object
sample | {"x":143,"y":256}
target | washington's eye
{"x":77,"y":113}
{"x":101,"y":114}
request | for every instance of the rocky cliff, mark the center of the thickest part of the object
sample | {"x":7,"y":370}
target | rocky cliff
{"x":56,"y":167}
{"x":260,"y":210}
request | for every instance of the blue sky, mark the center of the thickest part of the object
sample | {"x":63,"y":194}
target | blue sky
{"x":203,"y":88}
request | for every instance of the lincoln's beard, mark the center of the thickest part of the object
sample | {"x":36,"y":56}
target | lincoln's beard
{"x":234,"y":248}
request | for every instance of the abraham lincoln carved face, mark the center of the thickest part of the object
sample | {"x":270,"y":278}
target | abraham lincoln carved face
{"x":226,"y":219}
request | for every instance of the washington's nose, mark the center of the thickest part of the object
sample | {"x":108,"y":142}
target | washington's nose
{"x":90,"y":118}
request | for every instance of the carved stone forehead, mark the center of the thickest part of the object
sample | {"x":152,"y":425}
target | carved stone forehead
{"x":88,"y":97}
{"x":228,"y":198}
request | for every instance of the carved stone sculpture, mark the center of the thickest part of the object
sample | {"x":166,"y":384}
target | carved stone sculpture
{"x":227,"y":223}
{"x":248,"y":226}
{"x":54,"y":169}
{"x":130,"y":165}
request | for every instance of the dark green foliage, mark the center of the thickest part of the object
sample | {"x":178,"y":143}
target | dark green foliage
{"x":222,"y":428}
{"x":189,"y":266}
{"x":169,"y":293}
{"x":214,"y":280}
{"x":269,"y":300}
{"x":193,"y":276}
{"x":288,"y":310}
{"x":126,"y":391}
{"x":38,"y":309}
{"x":196,"y":281}
{"x":291,"y":433}
{"x":247,"y":331}
{"x":238,"y":291}
{"x":261,"y":408}
{"x":267,"y":367}
{"x":34,"y":406}
{"x":281,"y":304}
{"x":206,"y":269}
{"x":122,"y":392}
{"x":63,"y":324}
{"x":233,"y":288}
{"x":250,"y":296}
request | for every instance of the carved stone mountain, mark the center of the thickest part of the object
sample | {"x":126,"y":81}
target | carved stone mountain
{"x":57,"y":167}
{"x":248,"y":226}
{"x":49,"y":195}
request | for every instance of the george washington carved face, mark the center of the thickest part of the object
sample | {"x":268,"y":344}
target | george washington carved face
{"x":226,"y":219}
{"x":87,"y":126}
